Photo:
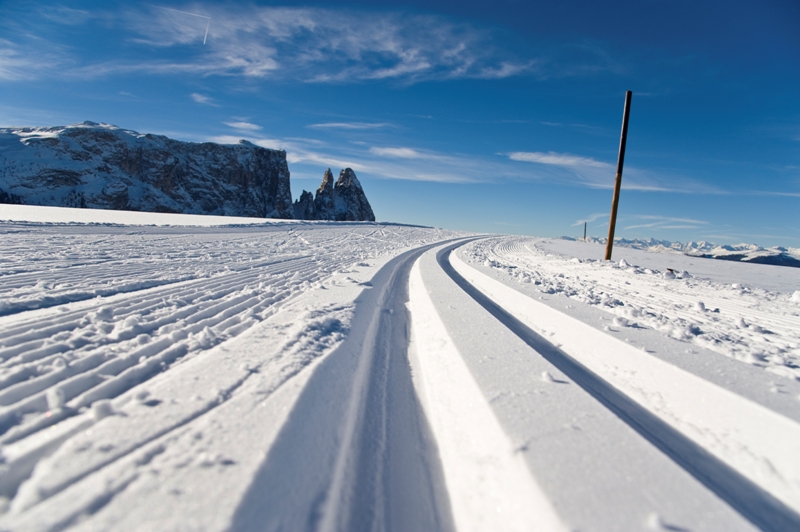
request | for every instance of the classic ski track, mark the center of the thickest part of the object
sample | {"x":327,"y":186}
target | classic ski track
{"x":742,"y":494}
{"x":39,"y":353}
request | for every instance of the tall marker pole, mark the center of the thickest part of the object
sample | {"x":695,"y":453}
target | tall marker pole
{"x":618,"y":183}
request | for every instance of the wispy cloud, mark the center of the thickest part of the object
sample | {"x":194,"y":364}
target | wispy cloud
{"x":18,"y":63}
{"x":350,"y":125}
{"x":593,"y":173}
{"x":665,"y":222}
{"x":557,"y":159}
{"x":591,"y":218}
{"x":770,"y":193}
{"x":402,"y":153}
{"x":244,"y":126}
{"x":593,"y":130}
{"x":201,"y":98}
{"x":317,"y":45}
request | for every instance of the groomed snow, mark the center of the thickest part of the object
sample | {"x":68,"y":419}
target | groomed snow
{"x":170,"y":372}
{"x":66,"y":215}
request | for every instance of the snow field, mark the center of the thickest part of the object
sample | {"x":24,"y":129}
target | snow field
{"x":67,"y":215}
{"x":348,"y":377}
{"x":754,"y":440}
{"x":754,"y":325}
{"x":68,"y":453}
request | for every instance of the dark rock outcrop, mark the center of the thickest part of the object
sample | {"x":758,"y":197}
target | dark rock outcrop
{"x":349,"y":201}
{"x":324,"y":198}
{"x":343,"y":201}
{"x":102,"y":166}
{"x":304,"y":208}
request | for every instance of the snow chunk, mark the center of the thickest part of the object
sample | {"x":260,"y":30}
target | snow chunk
{"x":55,"y":398}
{"x":101,"y":409}
{"x":796,"y":296}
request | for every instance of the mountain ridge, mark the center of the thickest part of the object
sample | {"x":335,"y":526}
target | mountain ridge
{"x":97,"y":165}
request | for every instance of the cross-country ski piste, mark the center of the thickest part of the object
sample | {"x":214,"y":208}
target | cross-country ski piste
{"x":169,"y":372}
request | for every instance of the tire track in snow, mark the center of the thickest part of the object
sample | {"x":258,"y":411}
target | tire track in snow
{"x":746,"y":497}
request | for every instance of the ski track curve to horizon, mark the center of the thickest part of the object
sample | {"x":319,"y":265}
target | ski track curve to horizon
{"x":285,"y":371}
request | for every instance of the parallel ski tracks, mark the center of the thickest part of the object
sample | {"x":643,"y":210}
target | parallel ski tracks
{"x":746,"y":497}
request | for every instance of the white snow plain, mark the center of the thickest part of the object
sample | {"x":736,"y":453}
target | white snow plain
{"x":171,"y":372}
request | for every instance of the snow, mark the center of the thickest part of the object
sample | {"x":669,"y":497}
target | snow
{"x":66,"y":215}
{"x":738,"y":431}
{"x":162,"y":371}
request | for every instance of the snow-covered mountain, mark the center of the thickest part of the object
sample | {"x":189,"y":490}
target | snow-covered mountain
{"x":344,"y":201}
{"x":753,"y":253}
{"x":92,"y":165}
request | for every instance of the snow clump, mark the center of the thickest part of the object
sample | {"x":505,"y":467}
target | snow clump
{"x":796,"y":296}
{"x":55,"y":398}
{"x":101,"y":409}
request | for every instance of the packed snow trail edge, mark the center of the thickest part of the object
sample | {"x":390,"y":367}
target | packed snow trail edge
{"x":752,"y":502}
{"x":356,"y":452}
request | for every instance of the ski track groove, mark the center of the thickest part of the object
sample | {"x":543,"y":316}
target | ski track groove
{"x":746,"y":497}
{"x":103,"y":327}
{"x":175,"y":301}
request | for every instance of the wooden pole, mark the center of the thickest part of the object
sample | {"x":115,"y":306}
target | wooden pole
{"x":618,"y":182}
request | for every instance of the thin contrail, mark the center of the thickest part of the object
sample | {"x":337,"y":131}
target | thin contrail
{"x":187,"y":13}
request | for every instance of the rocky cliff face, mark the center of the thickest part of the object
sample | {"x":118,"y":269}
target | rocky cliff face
{"x":102,"y":166}
{"x":343,"y":201}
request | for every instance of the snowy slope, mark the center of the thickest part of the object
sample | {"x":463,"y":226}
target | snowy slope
{"x":362,"y":376}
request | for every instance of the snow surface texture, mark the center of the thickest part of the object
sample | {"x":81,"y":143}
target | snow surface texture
{"x":136,"y":357}
{"x":744,"y":311}
{"x":753,"y":253}
{"x":361,"y":376}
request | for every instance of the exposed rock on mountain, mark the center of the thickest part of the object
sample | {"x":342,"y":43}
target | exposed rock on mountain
{"x":304,"y":208}
{"x":343,"y":201}
{"x":102,"y":166}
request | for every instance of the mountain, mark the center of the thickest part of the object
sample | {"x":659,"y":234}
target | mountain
{"x":778,"y":256}
{"x":102,"y":166}
{"x":343,"y":201}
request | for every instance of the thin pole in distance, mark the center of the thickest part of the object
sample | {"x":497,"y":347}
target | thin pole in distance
{"x":618,"y":182}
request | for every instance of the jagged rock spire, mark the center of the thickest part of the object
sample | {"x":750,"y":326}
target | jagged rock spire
{"x":350,"y":202}
{"x":343,"y":201}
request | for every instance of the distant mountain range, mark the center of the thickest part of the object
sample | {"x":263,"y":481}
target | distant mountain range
{"x":93,"y":165}
{"x":778,"y":256}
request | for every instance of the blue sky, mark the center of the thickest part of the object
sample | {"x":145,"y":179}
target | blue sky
{"x":499,"y":116}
